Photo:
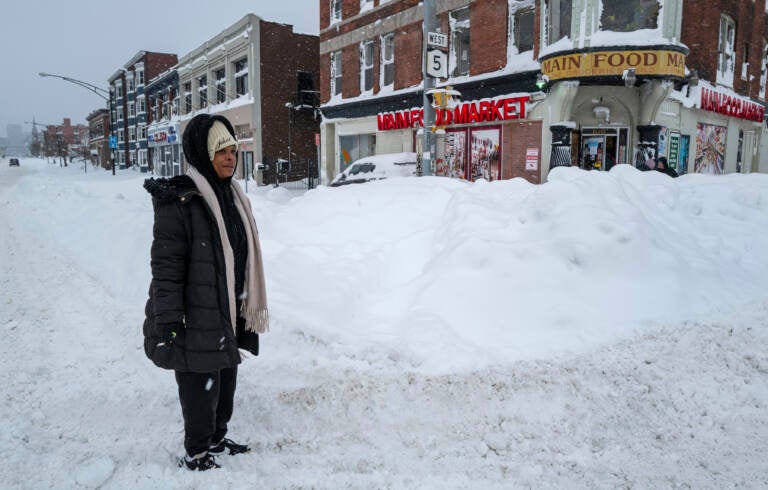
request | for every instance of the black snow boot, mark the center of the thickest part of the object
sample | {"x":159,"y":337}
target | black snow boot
{"x":202,"y":463}
{"x":228,"y":444}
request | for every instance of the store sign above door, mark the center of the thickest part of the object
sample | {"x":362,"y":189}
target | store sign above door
{"x":659,"y":62}
{"x":464,"y":113}
{"x":731,"y":105}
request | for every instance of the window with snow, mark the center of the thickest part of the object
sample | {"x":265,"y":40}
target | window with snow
{"x":521,"y":19}
{"x":336,"y":75}
{"x":241,"y":77}
{"x":763,"y":68}
{"x":335,"y":11}
{"x":202,"y":91}
{"x":366,"y":66}
{"x":187,"y":97}
{"x":387,"y":76}
{"x":221,"y":85}
{"x":629,"y":15}
{"x":558,"y":20}
{"x":726,"y":54}
{"x":459,"y":59}
{"x":366,"y":5}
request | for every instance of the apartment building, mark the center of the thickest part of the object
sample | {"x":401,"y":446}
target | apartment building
{"x":64,"y":140}
{"x":98,"y":132}
{"x":263,"y":78}
{"x":542,"y":83}
{"x":128,"y":105}
{"x":166,"y":156}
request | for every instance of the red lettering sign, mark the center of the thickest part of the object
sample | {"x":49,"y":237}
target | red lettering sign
{"x":714,"y":101}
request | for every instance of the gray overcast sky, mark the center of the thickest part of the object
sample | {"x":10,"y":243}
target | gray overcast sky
{"x":77,"y":38}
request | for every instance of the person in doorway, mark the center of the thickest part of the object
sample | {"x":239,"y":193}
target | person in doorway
{"x":663,"y":167}
{"x":207,"y":296}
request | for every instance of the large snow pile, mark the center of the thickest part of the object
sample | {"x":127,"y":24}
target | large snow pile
{"x":603,"y":329}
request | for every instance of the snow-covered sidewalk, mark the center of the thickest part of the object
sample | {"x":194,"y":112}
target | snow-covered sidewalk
{"x":504,"y":336}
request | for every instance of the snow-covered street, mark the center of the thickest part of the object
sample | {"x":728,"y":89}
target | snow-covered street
{"x":603,"y":330}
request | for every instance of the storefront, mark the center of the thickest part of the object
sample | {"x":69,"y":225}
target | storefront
{"x":165,"y":153}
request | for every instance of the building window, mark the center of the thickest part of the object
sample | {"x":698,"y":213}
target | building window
{"x":745,"y":63}
{"x":131,"y":134}
{"x":140,"y":77}
{"x":187,"y":97}
{"x":131,"y":110}
{"x":202,"y":91}
{"x":726,"y":54}
{"x":221,"y":85}
{"x":130,"y":83}
{"x":459,"y":60}
{"x":335,"y":11}
{"x":629,"y":15}
{"x":119,"y":90}
{"x":120,"y":113}
{"x":120,"y":137}
{"x":366,"y":66}
{"x":305,"y":90}
{"x":141,"y":105}
{"x":175,"y":106}
{"x":763,"y":69}
{"x":241,"y":77}
{"x":366,"y":5}
{"x":142,"y":132}
{"x":387,"y":60}
{"x":558,"y":20}
{"x":336,"y":75}
{"x":521,"y":28}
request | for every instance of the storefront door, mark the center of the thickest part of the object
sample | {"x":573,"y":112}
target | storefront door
{"x":601,"y":149}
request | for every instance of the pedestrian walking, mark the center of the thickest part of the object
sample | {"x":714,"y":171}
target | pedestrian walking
{"x":207,"y":297}
{"x":663,"y":167}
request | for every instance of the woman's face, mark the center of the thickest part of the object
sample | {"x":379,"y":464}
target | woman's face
{"x":224,"y":162}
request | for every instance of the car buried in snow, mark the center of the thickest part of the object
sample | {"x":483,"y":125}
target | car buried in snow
{"x":377,"y":167}
{"x":13,"y":162}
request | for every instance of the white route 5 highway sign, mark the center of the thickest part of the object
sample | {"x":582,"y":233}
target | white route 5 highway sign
{"x":437,"y":64}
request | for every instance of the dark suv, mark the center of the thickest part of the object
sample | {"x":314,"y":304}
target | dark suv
{"x":13,"y":162}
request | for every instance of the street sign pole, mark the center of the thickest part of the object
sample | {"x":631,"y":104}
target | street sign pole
{"x":428,"y":150}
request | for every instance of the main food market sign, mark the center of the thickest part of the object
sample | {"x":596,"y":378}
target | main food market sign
{"x":483,"y":111}
{"x":731,"y":105}
{"x":656,"y":62}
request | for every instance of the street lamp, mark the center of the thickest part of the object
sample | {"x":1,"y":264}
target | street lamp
{"x":101,"y":92}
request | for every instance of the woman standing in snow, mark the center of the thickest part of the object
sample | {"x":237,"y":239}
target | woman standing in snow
{"x":207,"y":297}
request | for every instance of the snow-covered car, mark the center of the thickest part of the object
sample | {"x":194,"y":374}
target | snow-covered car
{"x":376,"y":167}
{"x":13,"y":162}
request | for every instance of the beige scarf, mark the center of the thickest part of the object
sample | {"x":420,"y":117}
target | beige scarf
{"x":254,"y":298}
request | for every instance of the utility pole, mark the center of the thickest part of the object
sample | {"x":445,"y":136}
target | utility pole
{"x":428,"y":147}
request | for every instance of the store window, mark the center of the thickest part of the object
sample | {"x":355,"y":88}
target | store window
{"x":366,"y":66}
{"x":558,"y":20}
{"x":336,"y":75}
{"x":387,"y":76}
{"x":354,"y":147}
{"x":726,"y":54}
{"x":629,"y":15}
{"x":521,"y":21}
{"x":459,"y":59}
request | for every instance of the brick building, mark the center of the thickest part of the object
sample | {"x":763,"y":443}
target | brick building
{"x":263,"y":77}
{"x":128,"y":105}
{"x":98,"y":130}
{"x":549,"y":82}
{"x":64,"y":140}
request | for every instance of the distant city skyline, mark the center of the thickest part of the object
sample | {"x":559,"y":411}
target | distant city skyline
{"x":62,"y":40}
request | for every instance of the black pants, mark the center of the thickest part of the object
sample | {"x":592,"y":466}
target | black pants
{"x":206,"y":403}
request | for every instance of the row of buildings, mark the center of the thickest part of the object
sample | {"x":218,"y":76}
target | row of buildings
{"x":529,"y":85}
{"x":242,"y":73}
{"x":543,"y":83}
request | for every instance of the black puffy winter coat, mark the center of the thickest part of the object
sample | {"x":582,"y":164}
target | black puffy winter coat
{"x":188,"y":325}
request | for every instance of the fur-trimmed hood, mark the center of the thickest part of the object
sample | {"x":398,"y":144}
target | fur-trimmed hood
{"x":167,"y":190}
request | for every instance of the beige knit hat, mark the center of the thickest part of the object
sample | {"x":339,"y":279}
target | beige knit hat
{"x":219,"y":138}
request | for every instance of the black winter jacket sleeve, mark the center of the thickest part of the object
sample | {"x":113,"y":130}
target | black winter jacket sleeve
{"x":169,"y":267}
